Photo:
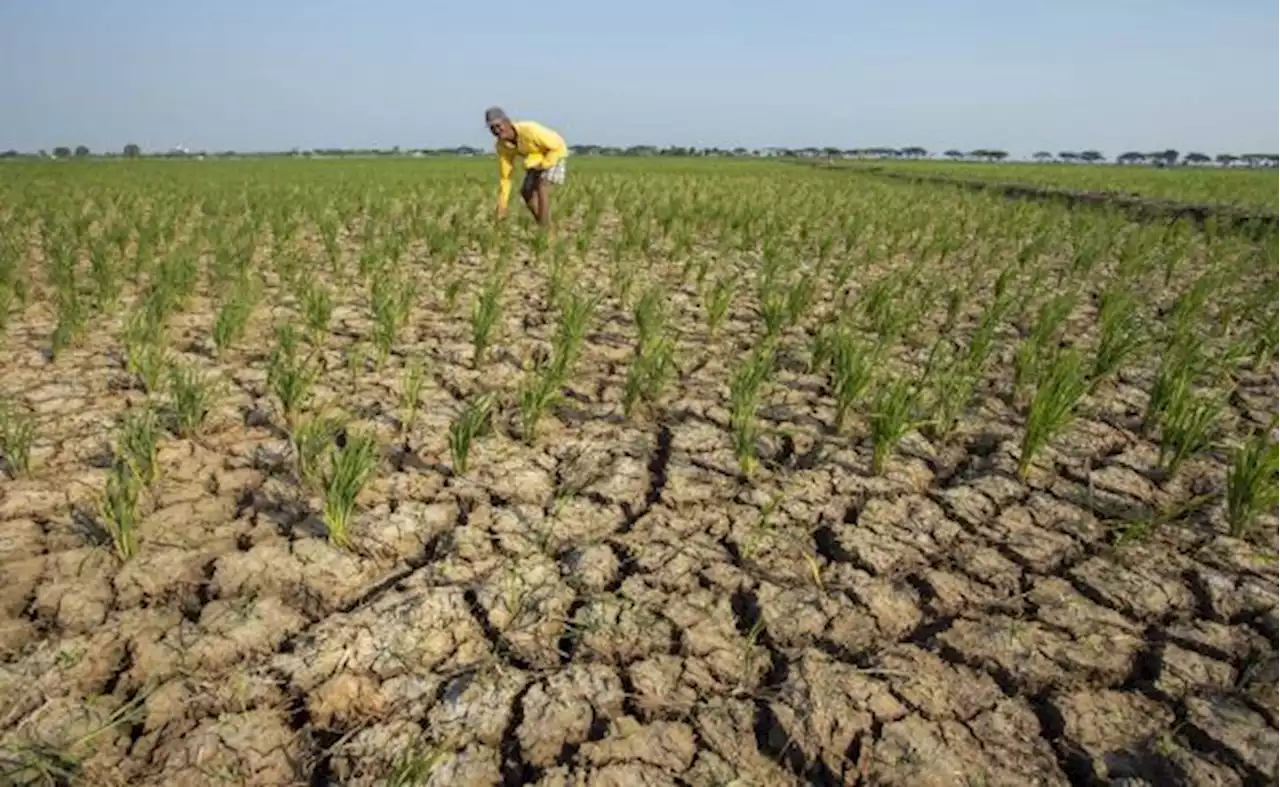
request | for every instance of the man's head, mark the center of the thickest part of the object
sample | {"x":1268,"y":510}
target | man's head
{"x":499,"y":124}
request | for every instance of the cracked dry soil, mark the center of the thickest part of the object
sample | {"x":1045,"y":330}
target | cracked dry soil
{"x":944,"y":624}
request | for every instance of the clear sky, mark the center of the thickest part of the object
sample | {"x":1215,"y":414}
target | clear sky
{"x":1113,"y":75}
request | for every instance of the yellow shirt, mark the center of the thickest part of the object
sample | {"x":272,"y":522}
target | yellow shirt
{"x":540,"y":146}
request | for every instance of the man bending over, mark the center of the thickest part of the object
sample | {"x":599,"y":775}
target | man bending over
{"x":544,"y":152}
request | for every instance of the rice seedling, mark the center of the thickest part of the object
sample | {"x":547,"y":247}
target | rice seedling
{"x":317,"y":309}
{"x":1178,"y":364}
{"x":470,"y":425}
{"x":350,"y":467}
{"x":289,"y":377}
{"x":852,"y":364}
{"x":1251,"y":482}
{"x":894,"y":413}
{"x":232,"y":317}
{"x":951,"y":383}
{"x":800,"y":298}
{"x":1039,"y":346}
{"x":486,"y":313}
{"x":575,"y":320}
{"x":138,"y":440}
{"x":412,"y":382}
{"x":717,"y":299}
{"x":192,"y":395}
{"x":650,"y":314}
{"x":745,"y":388}
{"x":1121,"y":332}
{"x":652,"y":367}
{"x":17,"y":433}
{"x":1187,"y":424}
{"x":310,"y":438}
{"x":1057,"y":394}
{"x":539,"y":390}
{"x":452,"y":290}
{"x":119,"y":507}
{"x":392,"y":300}
{"x":414,"y":765}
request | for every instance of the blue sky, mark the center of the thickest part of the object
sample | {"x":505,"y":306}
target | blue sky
{"x":1023,"y":76}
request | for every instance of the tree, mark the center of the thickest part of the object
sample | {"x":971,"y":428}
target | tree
{"x":81,"y":151}
{"x":62,"y":152}
{"x":914,"y":152}
{"x":953,"y":154}
{"x":1166,"y":158}
{"x":1067,"y":155}
{"x":1042,"y":155}
{"x":132,"y":151}
{"x":997,"y":155}
{"x":1130,"y":157}
{"x":1091,"y":156}
{"x":1195,"y":159}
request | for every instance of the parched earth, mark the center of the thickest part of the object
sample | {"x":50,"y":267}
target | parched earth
{"x":613,"y":605}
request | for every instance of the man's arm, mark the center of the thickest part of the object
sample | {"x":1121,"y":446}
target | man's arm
{"x":506,"y":165}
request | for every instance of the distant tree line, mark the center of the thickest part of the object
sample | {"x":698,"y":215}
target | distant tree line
{"x":1162,"y":158}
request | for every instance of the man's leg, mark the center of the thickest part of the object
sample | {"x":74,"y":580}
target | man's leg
{"x":529,"y":190}
{"x":543,"y":194}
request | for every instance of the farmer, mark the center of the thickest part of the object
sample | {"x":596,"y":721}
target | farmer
{"x":544,"y":152}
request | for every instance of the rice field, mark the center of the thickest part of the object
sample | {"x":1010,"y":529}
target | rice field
{"x":1252,"y":190}
{"x":750,"y":473}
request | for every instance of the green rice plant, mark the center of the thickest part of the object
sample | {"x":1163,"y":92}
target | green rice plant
{"x":349,"y":470}
{"x":105,"y":275}
{"x":232,"y":317}
{"x":800,"y":297}
{"x":192,"y":395}
{"x":486,"y":313}
{"x":317,"y":309}
{"x":138,"y":442}
{"x":652,"y":366}
{"x":1187,"y":424}
{"x":852,"y":364}
{"x":576,"y":314}
{"x":17,"y":433}
{"x":1251,"y":481}
{"x":71,"y":319}
{"x":717,"y":299}
{"x":1177,"y":369}
{"x":1264,"y":339}
{"x":150,"y":362}
{"x":119,"y":508}
{"x":411,"y":385}
{"x":470,"y":425}
{"x":391,"y":301}
{"x":1058,"y":392}
{"x":745,"y":389}
{"x":452,"y":290}
{"x":773,"y":312}
{"x":539,"y":390}
{"x":310,"y":438}
{"x":951,"y":384}
{"x":414,"y":765}
{"x":894,"y":413}
{"x":1039,"y":346}
{"x":1121,"y":332}
{"x":650,"y":314}
{"x":289,"y":377}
